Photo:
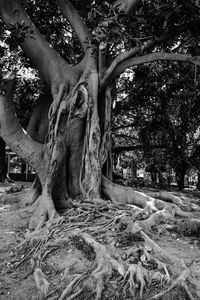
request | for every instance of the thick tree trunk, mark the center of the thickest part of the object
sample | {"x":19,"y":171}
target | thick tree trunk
{"x":3,"y":165}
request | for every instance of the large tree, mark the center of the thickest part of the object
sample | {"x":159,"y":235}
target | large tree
{"x":68,"y":140}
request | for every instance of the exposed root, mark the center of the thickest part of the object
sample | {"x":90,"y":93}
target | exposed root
{"x":189,"y":227}
{"x":105,"y":264}
{"x":180,"y":282}
{"x":141,"y":279}
{"x":44,"y":212}
{"x":155,"y":219}
{"x":41,"y":282}
{"x":70,"y":287}
{"x":122,"y":194}
{"x":112,"y":246}
{"x":169,"y":197}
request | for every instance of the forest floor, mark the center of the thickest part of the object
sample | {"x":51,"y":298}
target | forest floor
{"x":17,"y":263}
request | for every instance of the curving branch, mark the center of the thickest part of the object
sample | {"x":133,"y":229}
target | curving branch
{"x":156,"y":56}
{"x":123,"y":57}
{"x":77,"y":23}
{"x":12,"y":132}
{"x":42,"y":55}
{"x":166,"y":35}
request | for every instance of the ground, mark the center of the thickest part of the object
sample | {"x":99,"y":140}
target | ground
{"x":62,"y":260}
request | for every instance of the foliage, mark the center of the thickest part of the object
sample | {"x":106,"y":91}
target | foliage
{"x":160,"y":108}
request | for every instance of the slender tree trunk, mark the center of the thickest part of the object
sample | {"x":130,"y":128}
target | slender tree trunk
{"x":153,"y":178}
{"x":198,"y":181}
{"x":3,"y":165}
{"x":160,"y":178}
{"x":180,"y":176}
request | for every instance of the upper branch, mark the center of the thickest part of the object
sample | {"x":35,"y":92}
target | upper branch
{"x":156,"y":56}
{"x":12,"y":132}
{"x":166,"y":35}
{"x":76,"y":22}
{"x":123,"y":57}
{"x":42,"y":55}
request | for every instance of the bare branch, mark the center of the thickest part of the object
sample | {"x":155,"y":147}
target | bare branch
{"x":42,"y":55}
{"x":76,"y":22}
{"x":156,"y":56}
{"x":12,"y":132}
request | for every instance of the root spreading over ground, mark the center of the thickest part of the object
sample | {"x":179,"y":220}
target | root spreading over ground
{"x":102,"y":250}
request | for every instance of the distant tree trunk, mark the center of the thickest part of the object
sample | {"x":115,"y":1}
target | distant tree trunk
{"x":180,"y":176}
{"x":133,"y":172}
{"x":3,"y":165}
{"x":160,"y":178}
{"x":153,"y":178}
{"x":198,"y":181}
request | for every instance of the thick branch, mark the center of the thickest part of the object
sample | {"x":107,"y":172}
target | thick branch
{"x":123,"y":57}
{"x":43,"y":57}
{"x":76,"y":22}
{"x":155,"y":57}
{"x":166,"y":35}
{"x":12,"y":132}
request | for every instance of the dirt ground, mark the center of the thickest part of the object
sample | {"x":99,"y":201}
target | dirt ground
{"x":17,"y":266}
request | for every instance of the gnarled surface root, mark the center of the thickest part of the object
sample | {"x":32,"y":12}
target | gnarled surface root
{"x":122,"y":194}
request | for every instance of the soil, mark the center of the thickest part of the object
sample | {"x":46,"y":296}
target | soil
{"x":18,"y":261}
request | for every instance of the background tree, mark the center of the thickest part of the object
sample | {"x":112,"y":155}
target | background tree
{"x":161,"y":115}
